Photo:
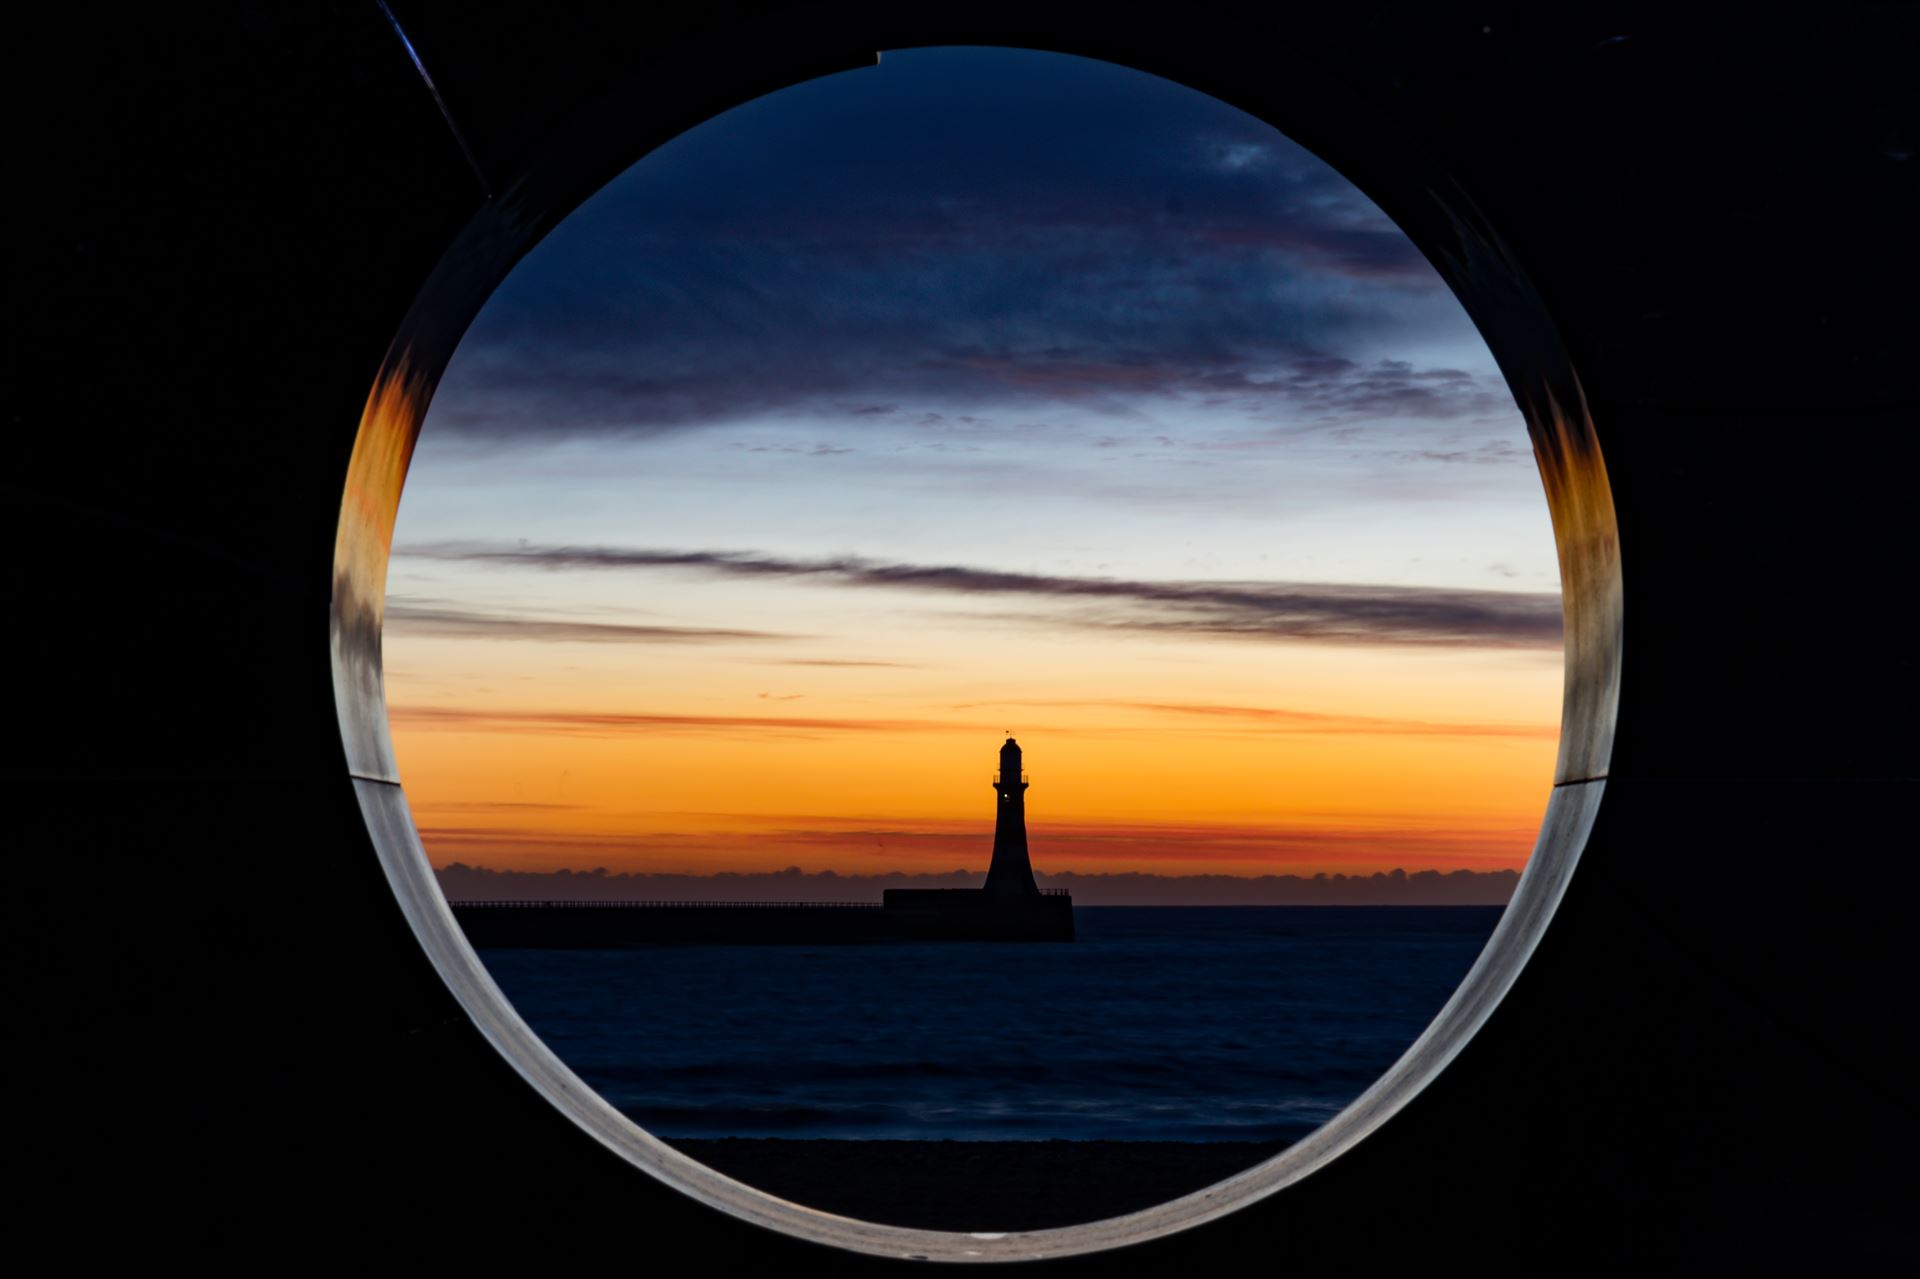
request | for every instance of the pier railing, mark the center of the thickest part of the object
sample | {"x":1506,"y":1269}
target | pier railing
{"x":623,"y":904}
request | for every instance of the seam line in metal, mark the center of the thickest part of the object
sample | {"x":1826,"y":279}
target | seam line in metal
{"x":414,"y":56}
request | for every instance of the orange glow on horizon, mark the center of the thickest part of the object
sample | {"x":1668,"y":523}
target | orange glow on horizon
{"x":1355,"y":761}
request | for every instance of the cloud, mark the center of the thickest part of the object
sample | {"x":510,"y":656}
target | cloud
{"x":572,"y":723}
{"x":1499,"y":452}
{"x":925,"y":843}
{"x":1373,"y":250}
{"x":827,"y":661}
{"x":1330,"y":613}
{"x":960,"y":228}
{"x":1331,"y":387}
{"x":806,"y":450}
{"x":1256,"y":376}
{"x":1292,"y":721}
{"x":406,"y":618}
{"x":1303,"y":388}
{"x":463,"y":882}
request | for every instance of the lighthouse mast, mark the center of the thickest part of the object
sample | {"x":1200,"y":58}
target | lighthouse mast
{"x":1011,"y":874}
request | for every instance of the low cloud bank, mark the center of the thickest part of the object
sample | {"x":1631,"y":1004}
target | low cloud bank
{"x":462,"y":882}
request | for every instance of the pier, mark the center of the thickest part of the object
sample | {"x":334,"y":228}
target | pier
{"x":1010,"y":907}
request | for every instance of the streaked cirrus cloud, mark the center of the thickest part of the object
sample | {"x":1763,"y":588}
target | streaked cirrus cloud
{"x":579,"y":723}
{"x":1324,"y":612}
{"x":451,"y":622}
{"x":1276,"y":719}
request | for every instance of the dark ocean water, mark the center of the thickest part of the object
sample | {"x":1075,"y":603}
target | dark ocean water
{"x":1171,"y":1024}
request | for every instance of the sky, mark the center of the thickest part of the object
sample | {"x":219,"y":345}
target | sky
{"x":978,"y":391}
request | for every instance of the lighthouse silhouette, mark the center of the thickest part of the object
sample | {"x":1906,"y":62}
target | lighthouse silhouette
{"x":1008,"y":907}
{"x":1011,"y":872}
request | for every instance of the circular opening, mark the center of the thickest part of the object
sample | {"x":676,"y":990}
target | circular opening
{"x":1576,"y":491}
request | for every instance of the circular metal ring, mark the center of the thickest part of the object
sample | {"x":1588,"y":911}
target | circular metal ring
{"x":1443,"y":223}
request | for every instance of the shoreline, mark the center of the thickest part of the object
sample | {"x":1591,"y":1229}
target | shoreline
{"x":976,"y":1185}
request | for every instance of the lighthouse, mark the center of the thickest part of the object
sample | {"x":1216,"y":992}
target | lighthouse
{"x":1008,"y":907}
{"x":1011,"y":872}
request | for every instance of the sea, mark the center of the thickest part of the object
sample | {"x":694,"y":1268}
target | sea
{"x":1200,"y":1024}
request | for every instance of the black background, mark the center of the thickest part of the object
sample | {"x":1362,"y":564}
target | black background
{"x":233,"y":1044}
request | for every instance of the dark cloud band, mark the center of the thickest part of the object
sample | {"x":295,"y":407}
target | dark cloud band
{"x":460,"y":623}
{"x":958,"y":230}
{"x":1334,"y":613}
